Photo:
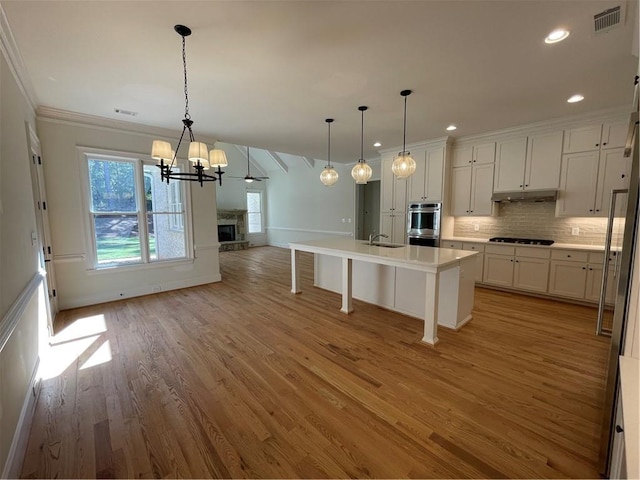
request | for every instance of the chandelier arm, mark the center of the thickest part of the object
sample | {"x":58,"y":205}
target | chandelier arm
{"x":178,"y":147}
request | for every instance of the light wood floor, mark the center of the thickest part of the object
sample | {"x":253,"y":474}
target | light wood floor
{"x":244,"y":379}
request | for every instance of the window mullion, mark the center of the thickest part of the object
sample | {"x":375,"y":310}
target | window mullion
{"x":142,"y":212}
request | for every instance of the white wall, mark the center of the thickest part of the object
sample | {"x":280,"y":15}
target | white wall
{"x":22,"y":308}
{"x":232,"y":194}
{"x":77,"y":285}
{"x":301,"y":208}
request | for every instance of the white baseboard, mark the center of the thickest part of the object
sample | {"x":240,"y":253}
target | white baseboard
{"x":150,"y":289}
{"x":15,"y":457}
{"x":278,"y":244}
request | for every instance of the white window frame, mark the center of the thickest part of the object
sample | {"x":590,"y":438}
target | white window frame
{"x":139,"y":161}
{"x":261,"y":192}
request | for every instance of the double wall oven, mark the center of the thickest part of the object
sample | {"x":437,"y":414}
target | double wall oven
{"x":423,"y":224}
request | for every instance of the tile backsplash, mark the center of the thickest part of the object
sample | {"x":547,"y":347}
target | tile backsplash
{"x":537,"y":220}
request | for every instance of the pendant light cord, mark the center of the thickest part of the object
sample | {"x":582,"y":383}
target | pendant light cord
{"x":329,"y":146}
{"x":361,"y":136}
{"x":186,"y":90}
{"x":404,"y":134}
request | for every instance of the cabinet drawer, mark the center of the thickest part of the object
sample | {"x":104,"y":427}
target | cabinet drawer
{"x":570,"y":255}
{"x":450,"y":244}
{"x":499,"y":249}
{"x":532,"y":252}
{"x":598,"y":257}
{"x":476,"y":247}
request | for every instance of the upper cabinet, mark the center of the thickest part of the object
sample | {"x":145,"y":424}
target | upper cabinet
{"x":472,"y":180}
{"x":596,"y":136}
{"x":427,"y":181}
{"x":528,"y":163}
{"x":587,"y":180}
{"x":479,"y":154}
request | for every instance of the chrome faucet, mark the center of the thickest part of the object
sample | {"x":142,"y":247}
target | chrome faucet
{"x":372,"y":237}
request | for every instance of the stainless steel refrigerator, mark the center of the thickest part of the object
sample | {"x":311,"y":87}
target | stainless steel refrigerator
{"x":622,"y":296}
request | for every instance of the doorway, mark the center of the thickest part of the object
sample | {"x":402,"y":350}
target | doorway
{"x":367,"y":209}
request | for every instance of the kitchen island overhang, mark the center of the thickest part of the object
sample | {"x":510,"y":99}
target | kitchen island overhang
{"x":433,"y":284}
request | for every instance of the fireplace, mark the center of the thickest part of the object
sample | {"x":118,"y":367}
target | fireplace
{"x":226,"y":233}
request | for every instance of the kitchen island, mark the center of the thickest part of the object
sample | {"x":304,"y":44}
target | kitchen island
{"x":433,"y":284}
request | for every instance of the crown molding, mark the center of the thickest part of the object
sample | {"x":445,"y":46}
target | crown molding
{"x":55,"y":115}
{"x":14,"y":60}
{"x":435,"y":142}
{"x":598,"y":116}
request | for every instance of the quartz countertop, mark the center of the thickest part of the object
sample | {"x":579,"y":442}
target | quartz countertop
{"x":408,"y":256}
{"x":567,"y":246}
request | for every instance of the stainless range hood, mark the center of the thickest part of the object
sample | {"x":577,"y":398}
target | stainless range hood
{"x":520,"y":196}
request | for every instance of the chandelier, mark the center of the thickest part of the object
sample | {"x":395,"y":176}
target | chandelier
{"x":329,"y":176}
{"x":404,"y":165}
{"x":361,"y":171}
{"x":199,"y":156}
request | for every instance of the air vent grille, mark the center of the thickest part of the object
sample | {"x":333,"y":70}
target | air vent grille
{"x":605,"y":21}
{"x":121,"y":111}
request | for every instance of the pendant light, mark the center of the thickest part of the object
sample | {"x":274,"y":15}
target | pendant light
{"x":198,"y":155}
{"x":404,"y":165}
{"x":329,"y":176}
{"x":361,"y":171}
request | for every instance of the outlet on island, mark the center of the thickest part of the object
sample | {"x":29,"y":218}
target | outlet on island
{"x":575,"y":231}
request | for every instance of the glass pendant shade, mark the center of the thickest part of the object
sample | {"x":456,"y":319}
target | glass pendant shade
{"x":198,"y":151}
{"x":404,"y":165}
{"x":161,"y":150}
{"x":361,"y":172}
{"x":328,"y":176}
{"x":217,"y":158}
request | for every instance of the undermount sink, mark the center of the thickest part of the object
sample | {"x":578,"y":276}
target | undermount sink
{"x":385,"y":245}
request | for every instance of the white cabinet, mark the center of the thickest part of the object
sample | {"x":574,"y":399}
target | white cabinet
{"x":524,"y":268}
{"x":614,"y":171}
{"x":471,"y":189}
{"x":568,"y":274}
{"x":394,"y":226}
{"x":586,"y":182}
{"x":511,"y":156}
{"x":393,"y":201}
{"x":528,"y":163}
{"x":426,"y":183}
{"x":469,"y":154}
{"x":612,"y":134}
{"x":393,"y":195}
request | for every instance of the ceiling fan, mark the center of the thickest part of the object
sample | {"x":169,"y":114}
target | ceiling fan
{"x":248,"y":177}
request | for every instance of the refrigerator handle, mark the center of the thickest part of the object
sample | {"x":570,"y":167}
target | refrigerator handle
{"x":605,"y":266}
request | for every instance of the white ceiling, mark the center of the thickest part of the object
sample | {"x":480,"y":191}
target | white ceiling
{"x":268,"y":73}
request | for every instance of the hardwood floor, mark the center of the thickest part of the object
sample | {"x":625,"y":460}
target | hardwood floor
{"x":244,"y":379}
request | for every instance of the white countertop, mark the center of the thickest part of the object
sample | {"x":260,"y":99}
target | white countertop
{"x":408,"y":256}
{"x":567,"y":246}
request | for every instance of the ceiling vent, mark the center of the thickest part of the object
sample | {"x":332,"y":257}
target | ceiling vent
{"x":607,"y":20}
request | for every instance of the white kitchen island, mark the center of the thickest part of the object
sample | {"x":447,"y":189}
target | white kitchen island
{"x":433,"y":284}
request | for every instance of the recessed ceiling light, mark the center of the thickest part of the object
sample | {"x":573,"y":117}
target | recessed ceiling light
{"x":451,"y":127}
{"x":575,"y":98}
{"x":557,"y":36}
{"x":377,"y":144}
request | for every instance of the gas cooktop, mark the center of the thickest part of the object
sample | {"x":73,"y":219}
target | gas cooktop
{"x":523,"y":241}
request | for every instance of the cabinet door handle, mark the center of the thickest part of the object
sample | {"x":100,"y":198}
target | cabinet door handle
{"x":604,"y":143}
{"x":517,"y":261}
{"x":568,"y":256}
{"x":527,"y":185}
{"x":597,"y":210}
{"x":471,"y":211}
{"x":584,"y":268}
{"x":622,"y":176}
{"x":520,"y":186}
{"x":511,"y":260}
{"x":591,"y":209}
{"x":597,"y":144}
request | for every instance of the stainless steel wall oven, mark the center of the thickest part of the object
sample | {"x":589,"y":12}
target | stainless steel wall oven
{"x":423,"y":223}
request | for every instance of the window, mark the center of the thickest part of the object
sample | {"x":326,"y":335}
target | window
{"x":135,"y":218}
{"x":254,"y":212}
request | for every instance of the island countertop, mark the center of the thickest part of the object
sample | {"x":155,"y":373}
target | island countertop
{"x":407,"y":256}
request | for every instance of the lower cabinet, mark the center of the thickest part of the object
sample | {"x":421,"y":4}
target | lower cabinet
{"x":568,"y":278}
{"x":523,"y":268}
{"x":476,"y":247}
